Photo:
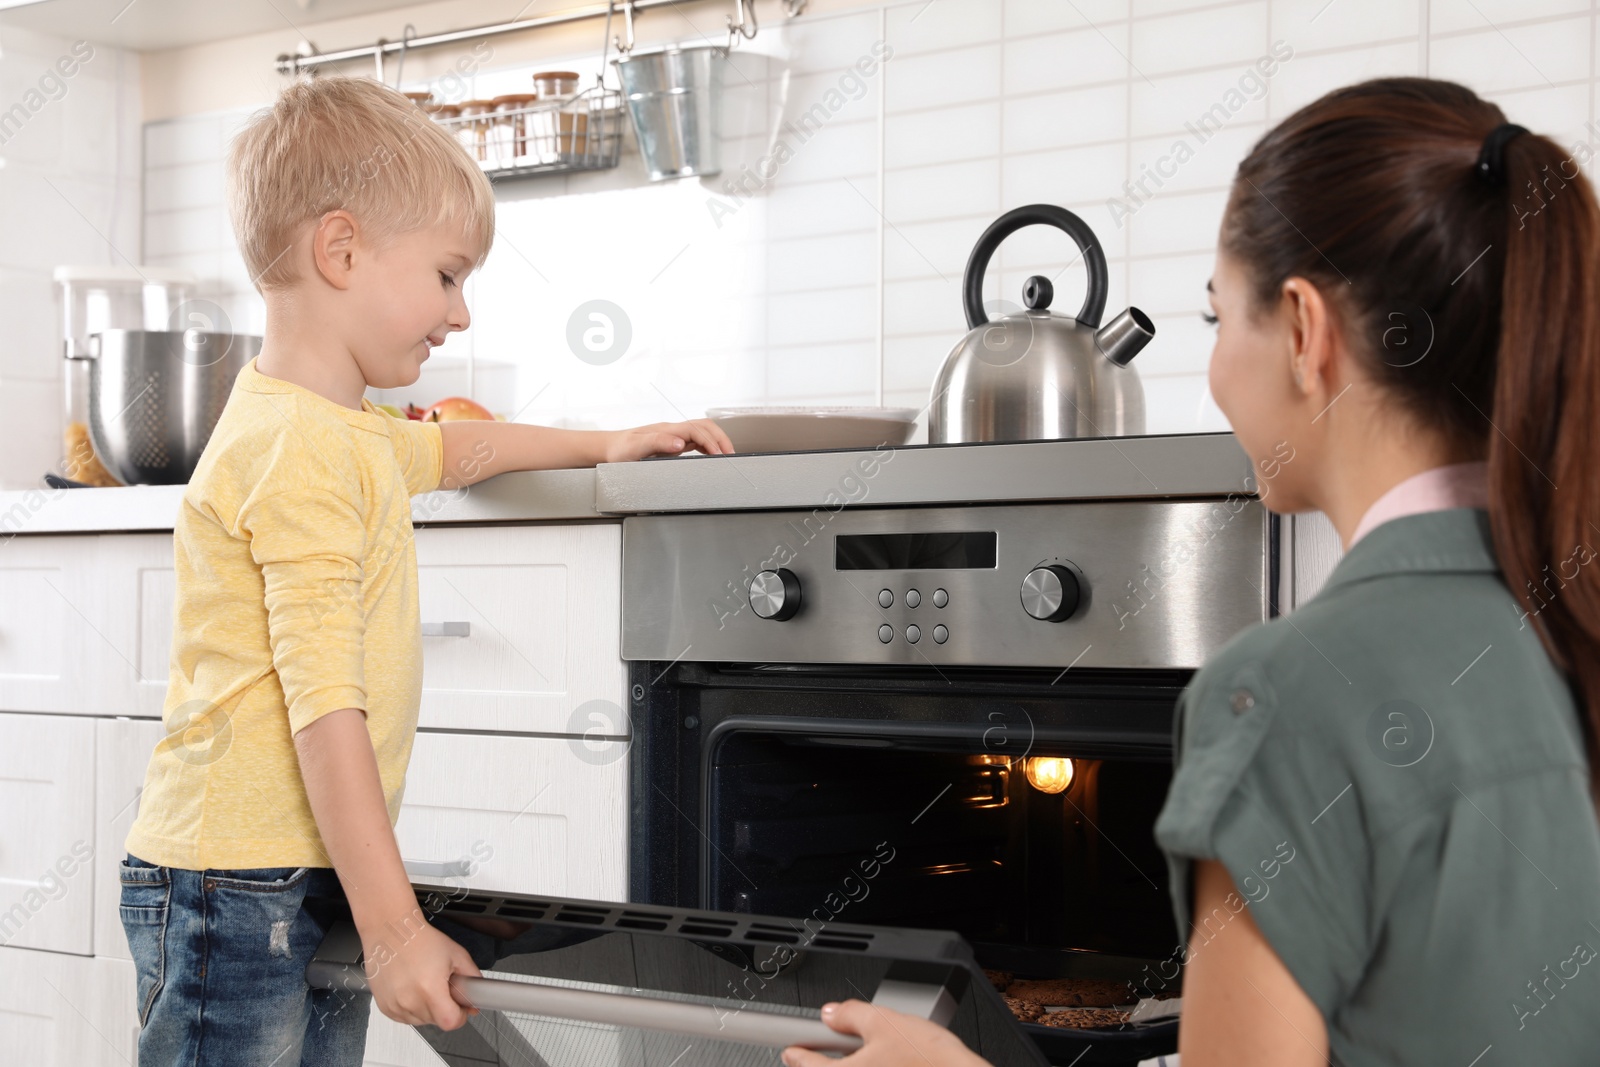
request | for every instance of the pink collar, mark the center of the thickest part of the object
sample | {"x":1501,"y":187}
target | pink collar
{"x":1458,"y":485}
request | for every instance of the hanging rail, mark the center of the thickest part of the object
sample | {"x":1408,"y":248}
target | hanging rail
{"x":293,"y":64}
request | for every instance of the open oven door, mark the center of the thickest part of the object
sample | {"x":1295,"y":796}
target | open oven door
{"x":579,"y":983}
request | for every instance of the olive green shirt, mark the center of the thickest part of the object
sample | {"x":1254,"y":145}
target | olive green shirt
{"x":1394,"y":775}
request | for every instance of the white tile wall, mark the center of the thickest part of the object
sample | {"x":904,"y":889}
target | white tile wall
{"x":840,"y":280}
{"x":69,"y":193}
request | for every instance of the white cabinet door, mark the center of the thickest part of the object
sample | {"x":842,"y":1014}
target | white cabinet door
{"x":122,"y":750}
{"x":521,"y":627}
{"x":520,"y":814}
{"x":47,"y":838}
{"x":66,"y":1011}
{"x":392,"y":1044}
{"x":52,"y":623}
{"x":136,"y":572}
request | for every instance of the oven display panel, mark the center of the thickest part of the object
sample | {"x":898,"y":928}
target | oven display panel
{"x":915,"y":551}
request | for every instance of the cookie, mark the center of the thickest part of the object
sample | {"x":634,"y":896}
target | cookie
{"x":1073,"y":992}
{"x":1083,"y":1018}
{"x":1001,"y":979}
{"x":1023,"y":1010}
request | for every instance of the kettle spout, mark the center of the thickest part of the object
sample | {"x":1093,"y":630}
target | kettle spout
{"x":1125,"y":336}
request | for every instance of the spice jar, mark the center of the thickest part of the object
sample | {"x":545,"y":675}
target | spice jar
{"x":508,"y":136}
{"x":473,"y":129}
{"x":561,"y":132}
{"x":555,"y":84}
{"x":421,"y":98}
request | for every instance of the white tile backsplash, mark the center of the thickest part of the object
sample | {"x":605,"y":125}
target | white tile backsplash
{"x":797,"y":289}
{"x":1511,"y":57}
{"x":1067,"y":60}
{"x":1310,"y":25}
{"x":934,"y":25}
{"x":1216,"y":36}
{"x":1448,"y":16}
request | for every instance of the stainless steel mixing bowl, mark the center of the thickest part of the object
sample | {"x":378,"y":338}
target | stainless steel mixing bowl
{"x":155,"y":396}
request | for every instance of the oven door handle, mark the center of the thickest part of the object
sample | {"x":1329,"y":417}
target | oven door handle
{"x":747,"y":1025}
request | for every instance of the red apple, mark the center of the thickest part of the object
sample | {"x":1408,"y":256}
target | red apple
{"x":413,"y":413}
{"x":452,"y":408}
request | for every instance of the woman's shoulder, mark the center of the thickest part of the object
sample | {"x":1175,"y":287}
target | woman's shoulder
{"x":1393,"y":690}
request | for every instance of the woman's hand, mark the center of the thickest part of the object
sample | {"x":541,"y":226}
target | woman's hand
{"x":892,"y":1039}
{"x":668,"y":439}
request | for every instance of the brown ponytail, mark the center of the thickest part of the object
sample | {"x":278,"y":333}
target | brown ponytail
{"x":1497,"y":283}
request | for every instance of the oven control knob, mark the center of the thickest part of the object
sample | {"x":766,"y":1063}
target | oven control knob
{"x":1050,"y":593}
{"x":775,"y":594}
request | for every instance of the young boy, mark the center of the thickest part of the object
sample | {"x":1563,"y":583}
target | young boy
{"x":296,"y":660}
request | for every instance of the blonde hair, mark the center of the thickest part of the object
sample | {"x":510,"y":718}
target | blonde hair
{"x":348,"y":143}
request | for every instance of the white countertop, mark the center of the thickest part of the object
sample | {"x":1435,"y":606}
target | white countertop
{"x":520,"y":496}
{"x":1165,"y":466}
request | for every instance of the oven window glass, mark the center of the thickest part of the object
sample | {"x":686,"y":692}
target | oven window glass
{"x":953,"y":838}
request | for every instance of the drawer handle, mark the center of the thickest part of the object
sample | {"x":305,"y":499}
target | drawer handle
{"x":446,"y":629}
{"x":438,"y":868}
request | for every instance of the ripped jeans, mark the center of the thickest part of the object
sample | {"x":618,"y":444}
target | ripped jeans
{"x":221,"y":959}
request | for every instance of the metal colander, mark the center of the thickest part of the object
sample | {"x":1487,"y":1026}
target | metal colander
{"x":155,"y":396}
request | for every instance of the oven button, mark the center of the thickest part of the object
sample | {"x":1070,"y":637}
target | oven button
{"x":913,"y":598}
{"x":940,"y":598}
{"x":1050,"y":594}
{"x":775,"y":594}
{"x":885,"y":598}
{"x":940,"y":634}
{"x":886,"y":633}
{"x":913,"y":633}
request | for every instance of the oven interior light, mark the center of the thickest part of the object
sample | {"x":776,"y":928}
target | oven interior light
{"x":1049,"y":774}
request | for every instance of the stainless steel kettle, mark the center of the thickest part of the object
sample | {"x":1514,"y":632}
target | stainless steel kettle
{"x":1036,"y":375}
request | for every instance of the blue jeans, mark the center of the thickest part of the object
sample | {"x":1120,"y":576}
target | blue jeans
{"x":221,"y":959}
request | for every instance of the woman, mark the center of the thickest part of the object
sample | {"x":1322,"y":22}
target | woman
{"x":1381,"y":830}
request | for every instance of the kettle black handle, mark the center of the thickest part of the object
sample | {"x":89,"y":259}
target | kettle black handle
{"x":1094,"y":301}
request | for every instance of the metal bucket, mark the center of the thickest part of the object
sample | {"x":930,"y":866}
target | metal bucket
{"x":155,"y":397}
{"x":674,"y":97}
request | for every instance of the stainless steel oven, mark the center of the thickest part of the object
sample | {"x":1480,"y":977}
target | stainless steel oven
{"x":974,"y":703}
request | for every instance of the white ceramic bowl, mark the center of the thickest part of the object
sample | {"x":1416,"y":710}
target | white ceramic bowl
{"x":805,"y":429}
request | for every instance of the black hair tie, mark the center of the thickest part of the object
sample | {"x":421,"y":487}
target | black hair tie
{"x":1491,"y":168}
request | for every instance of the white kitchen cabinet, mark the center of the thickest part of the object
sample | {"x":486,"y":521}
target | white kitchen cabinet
{"x":521,"y":626}
{"x":66,"y":1011}
{"x":51,"y":623}
{"x":521,"y":814}
{"x":47,"y":839}
{"x":136,"y":572}
{"x":121,"y":753}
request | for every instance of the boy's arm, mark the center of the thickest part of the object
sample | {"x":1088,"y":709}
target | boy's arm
{"x":475,"y":449}
{"x":408,"y":962}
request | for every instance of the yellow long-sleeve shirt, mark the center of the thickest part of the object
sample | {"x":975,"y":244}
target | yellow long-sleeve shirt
{"x":296,"y":596}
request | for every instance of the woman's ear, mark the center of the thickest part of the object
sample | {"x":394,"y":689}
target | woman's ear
{"x":333,"y":247}
{"x":1313,"y":337}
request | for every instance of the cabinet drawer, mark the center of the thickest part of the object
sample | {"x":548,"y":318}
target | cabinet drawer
{"x":47,"y":841}
{"x":521,"y":626}
{"x":136,"y":571}
{"x":66,"y":1011}
{"x":51,"y":624}
{"x":122,"y":750}
{"x":527,"y":814}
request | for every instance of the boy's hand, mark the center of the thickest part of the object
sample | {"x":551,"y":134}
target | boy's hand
{"x":667,"y":438}
{"x":411,"y":980}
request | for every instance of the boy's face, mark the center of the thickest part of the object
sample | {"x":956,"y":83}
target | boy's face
{"x":408,"y":298}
